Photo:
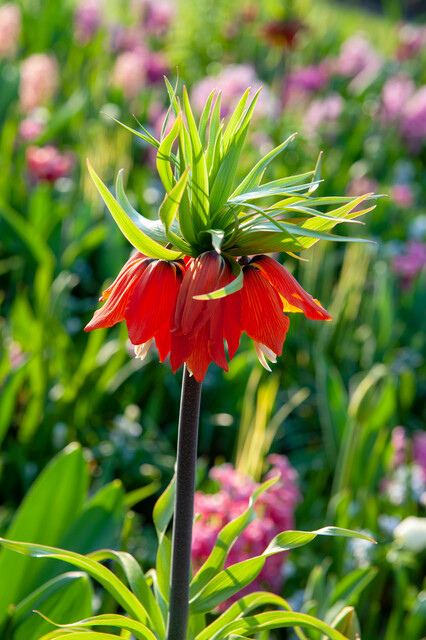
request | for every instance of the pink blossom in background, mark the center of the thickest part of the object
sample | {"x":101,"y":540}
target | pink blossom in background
{"x":39,"y":81}
{"x":419,"y":451}
{"x":129,"y":73}
{"x":413,"y":125}
{"x":402,"y":195}
{"x":156,"y":16}
{"x":411,"y":262}
{"x":360,"y":185}
{"x":358,"y":60}
{"x":233,"y":81}
{"x":304,"y":81}
{"x":399,"y":444}
{"x":412,"y":41}
{"x":396,"y":91}
{"x":30,"y":128}
{"x":16,"y":355}
{"x":47,"y":163}
{"x":87,"y":20}
{"x":275,"y":509}
{"x":10,"y":29}
{"x":323,"y":111}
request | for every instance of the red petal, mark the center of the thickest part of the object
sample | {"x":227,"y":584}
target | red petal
{"x":295,"y":298}
{"x":232,"y":322}
{"x":163,"y":341}
{"x":118,"y":294}
{"x":216,"y":347}
{"x":137,"y":257}
{"x":199,"y":359}
{"x":180,"y":350}
{"x":152,"y":302}
{"x":261,"y":311}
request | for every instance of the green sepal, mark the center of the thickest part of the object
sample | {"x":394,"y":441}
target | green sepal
{"x":163,"y":155}
{"x":170,"y":205}
{"x":139,"y":239}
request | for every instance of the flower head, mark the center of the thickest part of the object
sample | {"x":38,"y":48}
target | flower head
{"x":10,"y":29}
{"x":39,"y":81}
{"x":201,"y":277}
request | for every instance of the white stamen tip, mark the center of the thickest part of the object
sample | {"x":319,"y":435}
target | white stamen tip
{"x":142,"y":349}
{"x":262,"y":351}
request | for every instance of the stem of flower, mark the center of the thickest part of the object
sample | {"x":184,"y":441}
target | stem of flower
{"x":186,"y":462}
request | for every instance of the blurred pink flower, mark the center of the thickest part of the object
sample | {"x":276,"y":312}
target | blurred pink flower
{"x":323,"y":111}
{"x":399,"y":444}
{"x":30,"y":128}
{"x":412,"y":40}
{"x":358,"y":60}
{"x":360,"y":185}
{"x":402,"y":195}
{"x":156,"y":16}
{"x":304,"y":81}
{"x":419,"y":450}
{"x":413,"y":125}
{"x":411,"y":262}
{"x":10,"y":29}
{"x":87,"y":20}
{"x":232,"y":81}
{"x":275,"y":509}
{"x":16,"y":355}
{"x":47,"y":163}
{"x":396,"y":91}
{"x":129,"y":72}
{"x":39,"y":81}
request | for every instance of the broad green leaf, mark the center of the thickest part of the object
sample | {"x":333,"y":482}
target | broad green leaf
{"x":224,"y":179}
{"x":67,"y":598}
{"x":171,"y":202}
{"x":241,"y":608}
{"x":48,"y":509}
{"x":231,"y":580}
{"x":185,"y":220}
{"x":140,"y":240}
{"x":112,"y":620}
{"x":232,"y":287}
{"x":200,"y":179}
{"x":163,"y":156}
{"x":163,"y":509}
{"x":276,"y":620}
{"x":104,"y":576}
{"x":137,"y":583}
{"x":216,"y":236}
{"x":225,"y":539}
{"x":253,"y":178}
{"x":152,"y":228}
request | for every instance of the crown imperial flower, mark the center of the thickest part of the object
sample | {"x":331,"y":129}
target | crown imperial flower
{"x":200,"y":276}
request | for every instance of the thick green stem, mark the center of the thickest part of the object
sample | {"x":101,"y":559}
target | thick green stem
{"x":186,"y":462}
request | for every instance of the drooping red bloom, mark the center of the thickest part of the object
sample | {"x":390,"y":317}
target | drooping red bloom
{"x":158,"y":300}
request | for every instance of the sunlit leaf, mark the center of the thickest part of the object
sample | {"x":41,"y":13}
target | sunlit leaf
{"x":163,"y":155}
{"x":110,"y":620}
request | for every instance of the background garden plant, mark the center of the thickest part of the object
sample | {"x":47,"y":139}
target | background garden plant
{"x":360,"y":376}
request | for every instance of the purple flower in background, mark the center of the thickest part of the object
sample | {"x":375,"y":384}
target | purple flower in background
{"x":87,"y":20}
{"x":156,"y":16}
{"x":358,"y":60}
{"x":47,"y":163}
{"x":275,"y":509}
{"x":323,"y":112}
{"x":413,"y":125}
{"x":10,"y":29}
{"x":399,"y":444}
{"x":30,"y":128}
{"x":39,"y":81}
{"x":129,"y":72}
{"x":419,"y":451}
{"x":232,"y":81}
{"x":396,"y":91}
{"x":304,"y":81}
{"x":411,"y":262}
{"x":412,"y":41}
{"x":402,"y":195}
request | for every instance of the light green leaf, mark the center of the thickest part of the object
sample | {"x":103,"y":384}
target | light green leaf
{"x":163,"y":509}
{"x":110,"y":620}
{"x":255,"y":176}
{"x":78,"y":635}
{"x":275,"y":620}
{"x":232,"y":287}
{"x":235,"y":121}
{"x":199,"y":178}
{"x":104,"y":576}
{"x":215,"y":136}
{"x":274,"y":188}
{"x":163,"y":155}
{"x":164,"y":555}
{"x":137,"y":583}
{"x":171,"y":202}
{"x":226,"y":538}
{"x":204,"y":118}
{"x":316,"y":178}
{"x":140,"y":240}
{"x":217,"y":236}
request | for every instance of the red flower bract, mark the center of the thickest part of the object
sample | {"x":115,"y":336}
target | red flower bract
{"x":157,"y":299}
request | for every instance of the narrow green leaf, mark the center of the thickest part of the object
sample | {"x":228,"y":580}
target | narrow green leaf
{"x":253,"y":178}
{"x":78,"y":635}
{"x":275,"y":620}
{"x":234,"y":121}
{"x":317,"y":174}
{"x":152,"y":228}
{"x":146,"y":136}
{"x":172,"y":95}
{"x":200,"y":178}
{"x":164,"y":556}
{"x":274,"y":188}
{"x":163,"y":155}
{"x":137,"y":583}
{"x":171,"y":106}
{"x":140,"y":240}
{"x":104,"y":576}
{"x":225,"y":540}
{"x":171,"y":202}
{"x":110,"y":620}
{"x":215,"y":135}
{"x":163,"y":509}
{"x":217,"y":236}
{"x":204,"y":118}
{"x":232,"y":287}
